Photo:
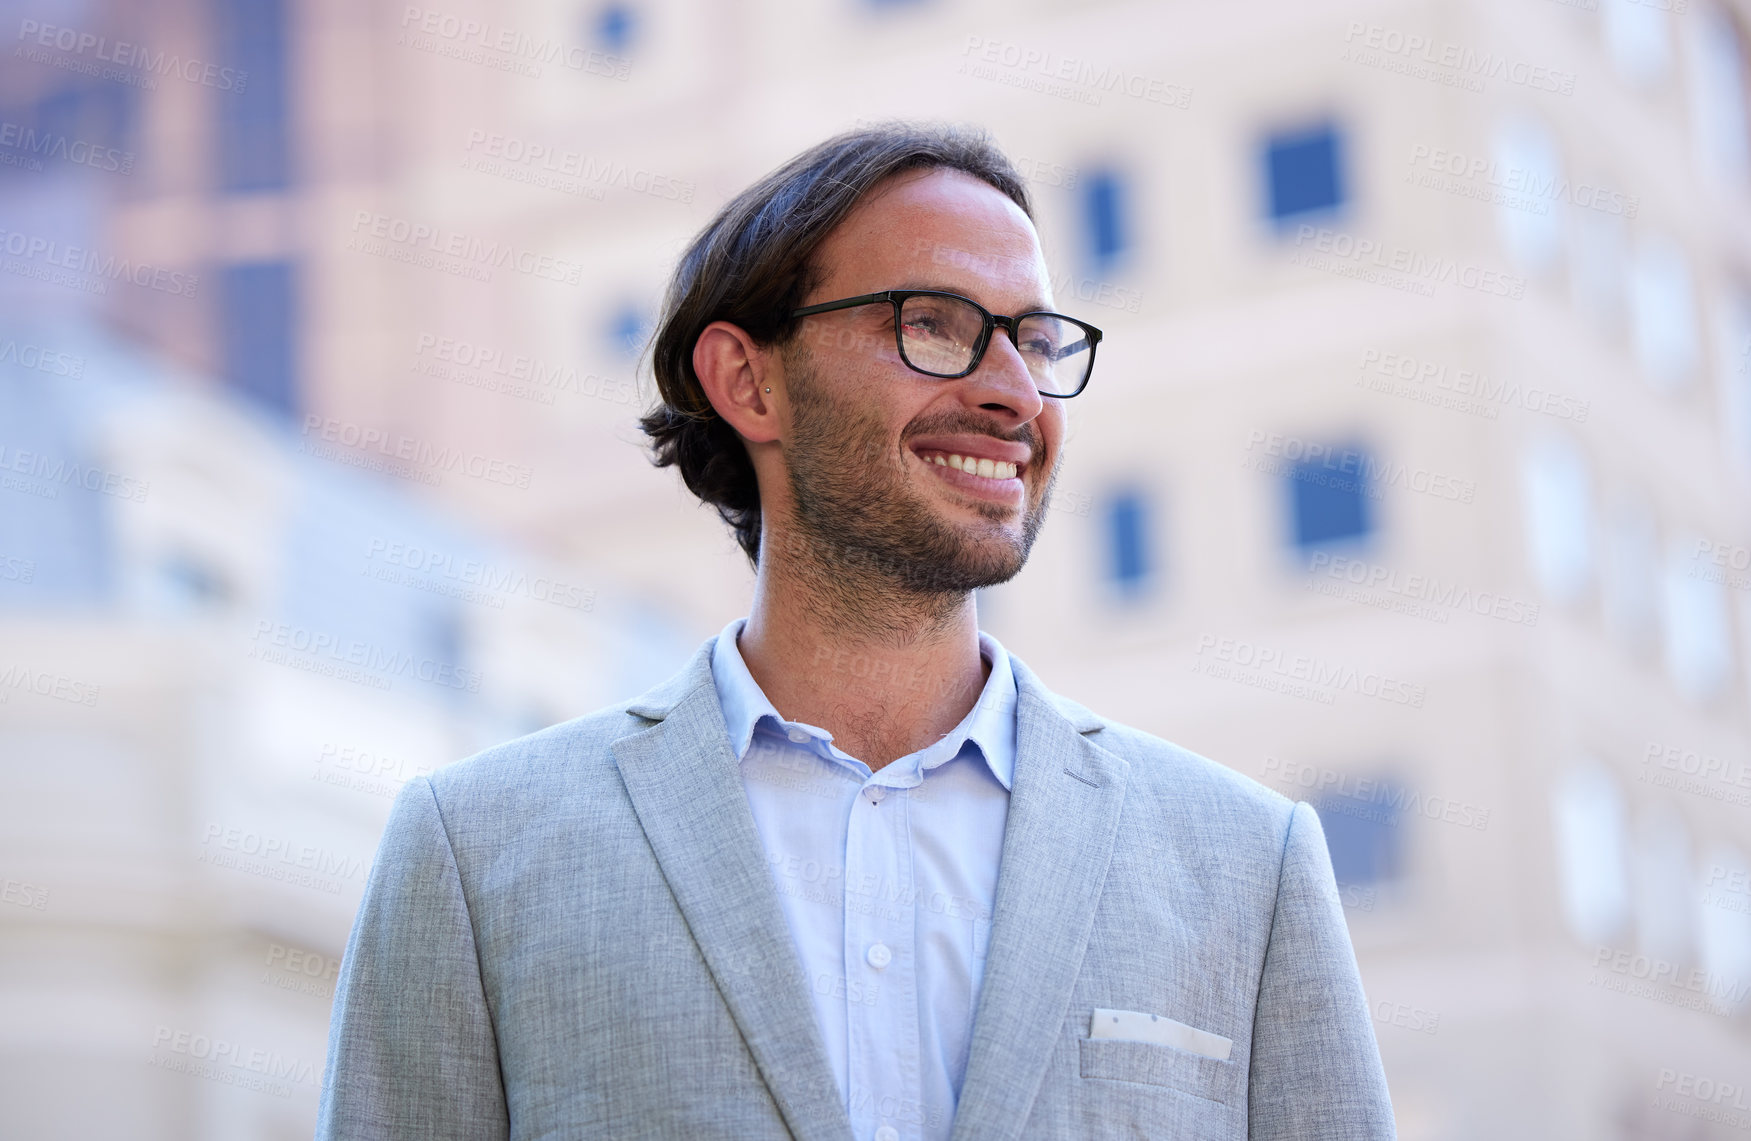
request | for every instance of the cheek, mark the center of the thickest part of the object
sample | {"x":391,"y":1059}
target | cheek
{"x":880,"y":432}
{"x":1054,"y":427}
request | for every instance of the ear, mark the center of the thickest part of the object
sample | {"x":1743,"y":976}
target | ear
{"x":736,"y":373}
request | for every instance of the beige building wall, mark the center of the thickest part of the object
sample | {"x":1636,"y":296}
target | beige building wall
{"x":1530,"y":677}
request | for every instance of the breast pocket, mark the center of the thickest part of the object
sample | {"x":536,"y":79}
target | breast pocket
{"x":1114,"y":1059}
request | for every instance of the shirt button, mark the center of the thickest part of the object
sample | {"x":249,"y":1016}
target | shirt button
{"x":887,"y":1133}
{"x":798,"y":736}
{"x":879,"y":956}
{"x":875,"y":792}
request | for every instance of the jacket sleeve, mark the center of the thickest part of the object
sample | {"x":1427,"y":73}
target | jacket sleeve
{"x":411,"y":1047}
{"x":1316,"y":1070}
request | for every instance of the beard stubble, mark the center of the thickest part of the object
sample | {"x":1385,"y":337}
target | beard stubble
{"x":856,"y":510}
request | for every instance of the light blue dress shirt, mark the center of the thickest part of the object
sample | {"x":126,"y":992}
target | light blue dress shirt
{"x":887,"y":881}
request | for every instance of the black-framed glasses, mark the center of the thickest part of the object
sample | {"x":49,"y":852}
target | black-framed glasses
{"x":945,"y":335}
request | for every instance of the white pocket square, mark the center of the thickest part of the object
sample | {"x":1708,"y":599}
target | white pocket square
{"x":1133,"y":1026}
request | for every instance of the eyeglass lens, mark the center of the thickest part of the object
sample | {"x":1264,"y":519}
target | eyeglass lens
{"x":938,"y":335}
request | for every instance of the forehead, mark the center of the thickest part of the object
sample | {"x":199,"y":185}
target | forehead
{"x":937,"y":229}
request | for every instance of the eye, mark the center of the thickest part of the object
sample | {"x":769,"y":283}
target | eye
{"x":934,"y":318}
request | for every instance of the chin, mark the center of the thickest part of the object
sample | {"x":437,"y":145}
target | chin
{"x":994,"y":561}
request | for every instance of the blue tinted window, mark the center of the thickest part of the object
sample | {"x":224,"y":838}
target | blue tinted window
{"x":1362,"y":832}
{"x":1329,"y":497}
{"x":64,"y":127}
{"x":121,"y":114}
{"x":57,"y":540}
{"x":444,"y":635}
{"x":1304,"y":172}
{"x":1128,"y":541}
{"x":181,"y":583}
{"x":627,"y":330}
{"x":258,"y":332}
{"x":1103,"y":203}
{"x":249,"y":93}
{"x":64,"y":112}
{"x":614,"y":27}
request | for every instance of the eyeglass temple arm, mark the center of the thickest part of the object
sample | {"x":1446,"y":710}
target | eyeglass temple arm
{"x":847,"y":303}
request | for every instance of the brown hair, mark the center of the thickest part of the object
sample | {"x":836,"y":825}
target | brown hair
{"x":752,"y":265}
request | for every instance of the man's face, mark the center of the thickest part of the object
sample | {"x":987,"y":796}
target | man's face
{"x":866,"y":430}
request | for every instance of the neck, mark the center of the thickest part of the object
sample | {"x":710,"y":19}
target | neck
{"x":886,"y":671}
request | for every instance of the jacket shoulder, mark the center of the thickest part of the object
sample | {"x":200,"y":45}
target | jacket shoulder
{"x":1161,"y":764}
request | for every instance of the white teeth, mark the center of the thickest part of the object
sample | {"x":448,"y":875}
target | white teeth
{"x":987,"y":469}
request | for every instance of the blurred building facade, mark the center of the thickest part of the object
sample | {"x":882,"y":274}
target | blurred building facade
{"x":1414,"y":480}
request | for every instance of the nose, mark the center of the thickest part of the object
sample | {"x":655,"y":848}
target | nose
{"x":1002,"y":381}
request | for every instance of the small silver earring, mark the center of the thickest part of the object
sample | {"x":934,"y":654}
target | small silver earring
{"x":768,"y":390}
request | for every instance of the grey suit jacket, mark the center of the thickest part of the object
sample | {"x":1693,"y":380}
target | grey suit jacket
{"x":576,"y":935}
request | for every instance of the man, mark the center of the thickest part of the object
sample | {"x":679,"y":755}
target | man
{"x":855,"y":872}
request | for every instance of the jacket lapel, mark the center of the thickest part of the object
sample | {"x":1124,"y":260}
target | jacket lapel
{"x":1063,"y":815}
{"x":687,"y":791}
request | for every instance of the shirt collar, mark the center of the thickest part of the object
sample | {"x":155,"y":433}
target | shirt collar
{"x":990,"y":724}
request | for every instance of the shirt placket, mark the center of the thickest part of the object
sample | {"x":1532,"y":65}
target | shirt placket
{"x":881,"y":964}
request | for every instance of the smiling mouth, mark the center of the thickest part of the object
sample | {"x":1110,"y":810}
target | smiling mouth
{"x":993,"y":470}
